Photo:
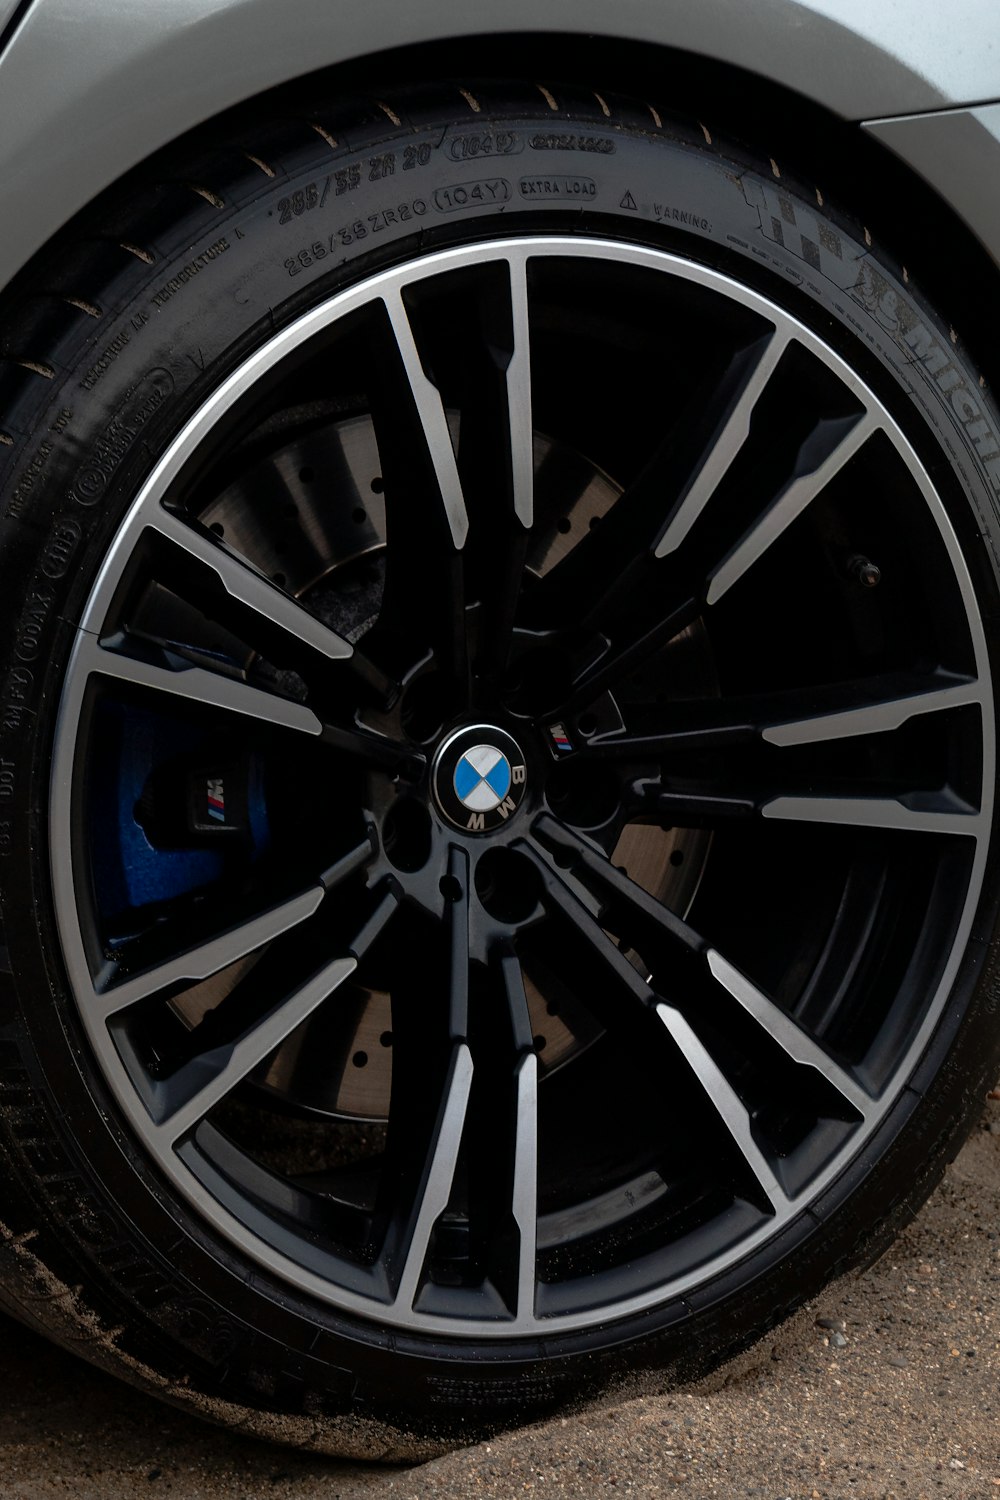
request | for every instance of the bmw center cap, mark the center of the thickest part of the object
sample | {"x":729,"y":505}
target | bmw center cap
{"x":479,"y":778}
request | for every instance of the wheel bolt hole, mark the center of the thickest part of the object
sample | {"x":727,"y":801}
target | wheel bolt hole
{"x":586,"y":796}
{"x":406,"y":835}
{"x":587,"y":725}
{"x":450,"y":888}
{"x":507,"y":885}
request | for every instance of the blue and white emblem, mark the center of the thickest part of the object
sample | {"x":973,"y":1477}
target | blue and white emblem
{"x":479,"y":778}
{"x":482,"y":778}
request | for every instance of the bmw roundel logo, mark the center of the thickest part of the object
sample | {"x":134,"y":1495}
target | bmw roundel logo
{"x":479,"y":778}
{"x":482,"y":778}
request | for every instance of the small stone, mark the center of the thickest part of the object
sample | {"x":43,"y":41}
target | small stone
{"x":899,"y":1362}
{"x":838,"y":1340}
{"x":955,"y":1463}
{"x":836,"y":1324}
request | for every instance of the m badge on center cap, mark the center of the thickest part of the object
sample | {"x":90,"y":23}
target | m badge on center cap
{"x":479,"y":778}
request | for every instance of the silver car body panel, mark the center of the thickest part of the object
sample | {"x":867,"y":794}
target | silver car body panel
{"x":88,"y":88}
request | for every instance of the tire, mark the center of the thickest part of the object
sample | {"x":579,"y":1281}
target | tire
{"x":299,"y":839}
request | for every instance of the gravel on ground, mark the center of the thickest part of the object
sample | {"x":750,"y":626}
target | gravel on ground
{"x":887,"y":1388}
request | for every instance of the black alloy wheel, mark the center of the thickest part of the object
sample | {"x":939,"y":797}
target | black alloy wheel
{"x":516,"y":767}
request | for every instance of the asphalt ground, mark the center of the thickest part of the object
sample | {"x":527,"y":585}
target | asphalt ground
{"x":893,"y":1395}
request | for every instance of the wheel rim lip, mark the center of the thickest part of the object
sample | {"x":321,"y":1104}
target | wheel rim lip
{"x":165,"y":474}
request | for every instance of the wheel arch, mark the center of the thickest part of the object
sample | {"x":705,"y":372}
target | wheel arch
{"x":769,"y":111}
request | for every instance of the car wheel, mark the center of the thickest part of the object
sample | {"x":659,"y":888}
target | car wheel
{"x":497,"y":762}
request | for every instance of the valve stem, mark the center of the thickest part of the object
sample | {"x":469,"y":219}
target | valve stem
{"x":864,"y":571}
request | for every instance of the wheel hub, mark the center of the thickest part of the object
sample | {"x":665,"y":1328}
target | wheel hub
{"x":479,"y":778}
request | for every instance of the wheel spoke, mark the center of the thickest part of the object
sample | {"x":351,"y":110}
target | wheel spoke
{"x":524,"y":1204}
{"x":874,"y":717}
{"x":434,"y":1188}
{"x":373,"y":749}
{"x":210,"y":957}
{"x":651,"y":518}
{"x":184,"y":1099}
{"x":783,"y":1030}
{"x":196,"y":685}
{"x":497,"y":462}
{"x":519,"y":409}
{"x":718,"y":1091}
{"x":458,"y":934}
{"x":524,"y":1163}
{"x":680,"y":806}
{"x":724,"y":1100}
{"x":205,"y":560}
{"x":213,"y":690}
{"x":585,"y":861}
{"x":803,"y":717}
{"x":355,"y":859}
{"x":941,"y":812}
{"x":739,"y":394}
{"x":517,"y":1004}
{"x":433,"y":421}
{"x":231,"y":590}
{"x":822,"y":456}
{"x":558,"y":897}
{"x":674,"y":808}
{"x":831,"y":444}
{"x":204,"y":1082}
{"x":427,"y":520}
{"x":645,"y":911}
{"x":619,"y":662}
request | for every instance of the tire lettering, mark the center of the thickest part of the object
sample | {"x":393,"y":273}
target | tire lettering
{"x":472,"y":194}
{"x":493,"y":143}
{"x":187,"y":273}
{"x":416,"y":156}
{"x":558,"y":187}
{"x":601,"y":144}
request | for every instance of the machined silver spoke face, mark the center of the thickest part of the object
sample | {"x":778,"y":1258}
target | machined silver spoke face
{"x":515,"y":825}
